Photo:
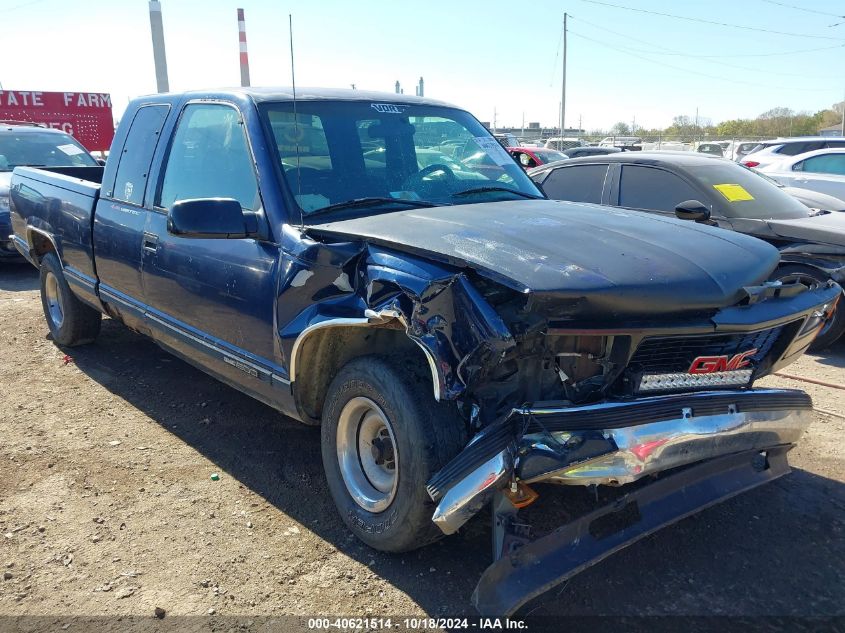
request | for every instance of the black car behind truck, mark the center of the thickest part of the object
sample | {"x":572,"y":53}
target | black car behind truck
{"x":460,"y":340}
{"x":718,"y":192}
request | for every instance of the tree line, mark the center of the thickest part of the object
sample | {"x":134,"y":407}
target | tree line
{"x":772,"y":123}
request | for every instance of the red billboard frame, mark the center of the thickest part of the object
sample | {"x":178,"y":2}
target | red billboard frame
{"x":87,"y":116}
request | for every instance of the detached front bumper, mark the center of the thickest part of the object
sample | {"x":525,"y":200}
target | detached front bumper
{"x":527,"y":568}
{"x":702,"y":448}
{"x":613,"y":443}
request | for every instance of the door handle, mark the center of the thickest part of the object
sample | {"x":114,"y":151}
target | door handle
{"x":150,"y":242}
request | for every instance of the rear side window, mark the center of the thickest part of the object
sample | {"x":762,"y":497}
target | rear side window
{"x":137,"y":154}
{"x":579,"y":183}
{"x":830,"y":164}
{"x":209,"y":158}
{"x":655,"y":189}
{"x":793,"y":149}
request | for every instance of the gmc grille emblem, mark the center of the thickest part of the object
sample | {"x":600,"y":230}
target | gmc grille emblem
{"x":711,"y":364}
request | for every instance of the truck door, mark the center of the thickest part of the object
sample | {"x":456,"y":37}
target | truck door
{"x":211,"y":297}
{"x":121,"y":216}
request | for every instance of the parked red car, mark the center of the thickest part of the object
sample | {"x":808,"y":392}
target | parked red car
{"x":530,"y":157}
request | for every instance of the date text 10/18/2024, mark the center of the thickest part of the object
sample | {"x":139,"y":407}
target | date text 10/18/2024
{"x":370,"y":623}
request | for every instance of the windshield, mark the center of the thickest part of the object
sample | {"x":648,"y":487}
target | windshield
{"x":549,"y":155}
{"x":338,"y":152}
{"x":746,"y":194}
{"x":45,"y":149}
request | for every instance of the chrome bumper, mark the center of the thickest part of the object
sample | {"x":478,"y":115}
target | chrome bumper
{"x":607,"y":450}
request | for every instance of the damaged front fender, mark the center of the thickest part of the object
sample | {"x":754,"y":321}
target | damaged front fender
{"x":357,"y":284}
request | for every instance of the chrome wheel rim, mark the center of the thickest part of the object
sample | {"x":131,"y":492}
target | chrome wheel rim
{"x":54,"y":300}
{"x":367,"y":455}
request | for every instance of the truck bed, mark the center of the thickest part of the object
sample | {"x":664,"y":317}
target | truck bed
{"x":58,"y":202}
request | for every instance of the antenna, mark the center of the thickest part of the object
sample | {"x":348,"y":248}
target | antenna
{"x":295,"y":126}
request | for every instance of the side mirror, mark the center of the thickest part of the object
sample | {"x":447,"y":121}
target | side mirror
{"x":218,"y":218}
{"x":692,"y":210}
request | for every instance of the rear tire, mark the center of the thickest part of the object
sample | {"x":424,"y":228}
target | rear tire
{"x":71,"y":322}
{"x":834,"y":328}
{"x":383,"y":437}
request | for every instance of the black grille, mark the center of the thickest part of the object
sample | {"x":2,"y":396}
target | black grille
{"x":674,"y":354}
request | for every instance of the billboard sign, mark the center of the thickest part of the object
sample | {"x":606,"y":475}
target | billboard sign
{"x":87,"y":116}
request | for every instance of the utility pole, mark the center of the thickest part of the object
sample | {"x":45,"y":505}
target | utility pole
{"x":842,"y":127}
{"x":563,"y":82}
{"x":696,"y":122}
{"x":494,"y":119}
{"x":159,"y":54}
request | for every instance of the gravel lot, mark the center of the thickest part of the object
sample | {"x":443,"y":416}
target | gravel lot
{"x":107,"y":505}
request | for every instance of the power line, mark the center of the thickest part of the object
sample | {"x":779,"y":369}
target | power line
{"x":694,"y":72}
{"x":21,"y":6}
{"x":703,"y":21}
{"x":673,"y":52}
{"x":742,"y":55}
{"x":557,"y":54}
{"x":792,"y":6}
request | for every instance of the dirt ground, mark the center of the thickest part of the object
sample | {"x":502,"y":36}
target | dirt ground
{"x":108,"y":506}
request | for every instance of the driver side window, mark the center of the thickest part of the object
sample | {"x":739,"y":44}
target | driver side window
{"x":209,"y":158}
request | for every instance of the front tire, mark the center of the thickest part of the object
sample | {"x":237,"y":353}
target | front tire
{"x":71,"y":322}
{"x":834,"y":328}
{"x":383,"y":437}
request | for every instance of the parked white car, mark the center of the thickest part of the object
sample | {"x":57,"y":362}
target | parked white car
{"x":782,"y":148}
{"x":821,"y":170}
{"x":737,"y":150}
{"x":564,"y":142}
{"x":625,"y":142}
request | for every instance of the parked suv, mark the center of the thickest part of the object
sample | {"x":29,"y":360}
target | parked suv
{"x":24,"y":143}
{"x":769,"y":152}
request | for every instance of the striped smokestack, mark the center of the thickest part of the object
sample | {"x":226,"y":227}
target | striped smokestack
{"x":244,"y":55}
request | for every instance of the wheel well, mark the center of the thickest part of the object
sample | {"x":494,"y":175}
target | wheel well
{"x":321,"y":356}
{"x":40,"y":245}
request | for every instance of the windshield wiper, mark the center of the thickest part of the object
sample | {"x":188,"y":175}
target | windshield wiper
{"x":467,"y":192}
{"x":368,"y":202}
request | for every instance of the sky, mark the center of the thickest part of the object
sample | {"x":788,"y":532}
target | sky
{"x":499,"y":59}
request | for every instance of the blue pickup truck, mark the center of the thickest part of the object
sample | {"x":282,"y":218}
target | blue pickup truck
{"x":461,"y":340}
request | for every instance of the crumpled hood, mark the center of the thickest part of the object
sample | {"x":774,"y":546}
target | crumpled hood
{"x":579,"y":260}
{"x":828,"y":228}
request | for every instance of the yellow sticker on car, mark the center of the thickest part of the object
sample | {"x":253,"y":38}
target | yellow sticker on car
{"x":733,"y":193}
